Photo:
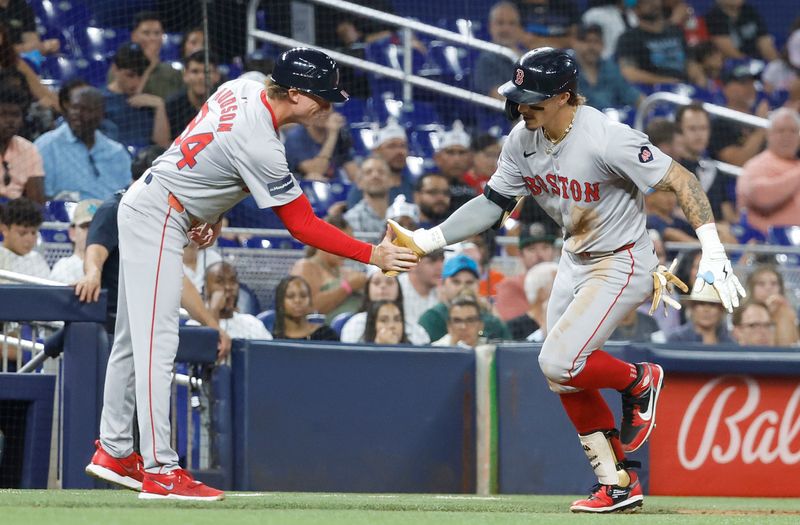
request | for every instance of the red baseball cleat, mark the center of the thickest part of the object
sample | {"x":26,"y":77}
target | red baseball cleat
{"x":126,"y":472}
{"x":611,"y":498}
{"x":639,"y":406}
{"x":178,"y":484}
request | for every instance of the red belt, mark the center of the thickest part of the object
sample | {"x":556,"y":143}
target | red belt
{"x":589,"y":255}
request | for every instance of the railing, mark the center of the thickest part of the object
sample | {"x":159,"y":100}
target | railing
{"x":408,"y":27}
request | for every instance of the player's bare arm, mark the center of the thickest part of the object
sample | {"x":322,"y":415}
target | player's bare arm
{"x":88,"y":288}
{"x":691,"y":197}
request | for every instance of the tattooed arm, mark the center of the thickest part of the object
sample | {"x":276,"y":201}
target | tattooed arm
{"x":691,"y":197}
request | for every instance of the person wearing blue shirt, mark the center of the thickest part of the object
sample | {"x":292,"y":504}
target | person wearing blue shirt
{"x":600,"y":80}
{"x":79,"y":158}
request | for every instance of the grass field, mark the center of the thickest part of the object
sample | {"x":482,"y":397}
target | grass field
{"x":112,"y":507}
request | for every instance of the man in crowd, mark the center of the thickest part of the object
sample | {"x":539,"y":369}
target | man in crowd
{"x":705,"y":321}
{"x":505,"y":29}
{"x":752,"y":325}
{"x":453,"y":159}
{"x":464,"y":323}
{"x":432,"y":196}
{"x":769,"y":188}
{"x":221,"y":293}
{"x":69,"y":270}
{"x":78,"y":157}
{"x":738,"y":30}
{"x":370,"y":212}
{"x":531,"y":325}
{"x":184,"y":105}
{"x":19,"y":223}
{"x":485,"y":152}
{"x":419,"y":286}
{"x":160,"y":78}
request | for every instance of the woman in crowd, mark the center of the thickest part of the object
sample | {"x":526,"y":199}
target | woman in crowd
{"x":9,"y":59}
{"x":385,"y":324}
{"x":335,"y":289}
{"x":292,"y":305}
{"x":380,"y":288}
{"x":765,"y":285}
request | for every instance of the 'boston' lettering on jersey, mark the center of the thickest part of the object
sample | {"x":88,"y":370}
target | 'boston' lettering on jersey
{"x":563,"y":186}
{"x":227,"y":103}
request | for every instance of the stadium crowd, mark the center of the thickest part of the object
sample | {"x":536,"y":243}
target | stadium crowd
{"x":78,"y":142}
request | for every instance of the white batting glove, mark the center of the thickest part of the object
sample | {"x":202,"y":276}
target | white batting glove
{"x":715,"y":269}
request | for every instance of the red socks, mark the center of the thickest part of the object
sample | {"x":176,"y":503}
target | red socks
{"x":588,"y":411}
{"x":601,"y":370}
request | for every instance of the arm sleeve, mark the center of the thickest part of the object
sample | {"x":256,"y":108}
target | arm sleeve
{"x":630,"y":155}
{"x":475,"y":216}
{"x":299,"y":219}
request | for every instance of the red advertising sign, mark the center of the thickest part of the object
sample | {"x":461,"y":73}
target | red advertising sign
{"x":727,"y":436}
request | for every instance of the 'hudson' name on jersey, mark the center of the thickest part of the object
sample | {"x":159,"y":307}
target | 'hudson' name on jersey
{"x":563,"y":186}
{"x":227,"y":109}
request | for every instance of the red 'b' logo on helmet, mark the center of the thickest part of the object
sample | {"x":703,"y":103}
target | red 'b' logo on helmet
{"x":518,"y":77}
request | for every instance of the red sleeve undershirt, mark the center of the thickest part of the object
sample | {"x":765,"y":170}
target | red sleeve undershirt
{"x":299,"y":219}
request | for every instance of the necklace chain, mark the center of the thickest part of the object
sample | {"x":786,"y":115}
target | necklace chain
{"x":569,"y":128}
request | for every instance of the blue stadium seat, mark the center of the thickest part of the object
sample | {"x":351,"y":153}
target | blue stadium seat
{"x":171,"y":47}
{"x":94,"y":71}
{"x":53,"y":235}
{"x":59,"y":68}
{"x":98,"y":43}
{"x":268,"y":318}
{"x":248,"y":301}
{"x":61,"y":14}
{"x":338,"y":322}
{"x":247,"y":214}
{"x":56,"y":211}
{"x":319,"y":194}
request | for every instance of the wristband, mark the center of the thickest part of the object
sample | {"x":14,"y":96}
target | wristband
{"x":709,"y":240}
{"x":429,"y":240}
{"x":346,"y":287}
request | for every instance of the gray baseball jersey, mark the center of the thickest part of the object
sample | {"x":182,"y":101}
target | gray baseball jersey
{"x":231,"y":148}
{"x":591,"y":183}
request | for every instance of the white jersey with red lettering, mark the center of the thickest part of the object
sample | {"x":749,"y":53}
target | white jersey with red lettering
{"x":231,"y":148}
{"x":591,"y":183}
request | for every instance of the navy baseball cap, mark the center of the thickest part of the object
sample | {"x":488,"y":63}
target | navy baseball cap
{"x":459,"y":263}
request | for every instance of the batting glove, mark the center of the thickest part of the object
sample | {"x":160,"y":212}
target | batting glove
{"x":715,"y":269}
{"x":664,"y":281}
{"x":420,"y":241}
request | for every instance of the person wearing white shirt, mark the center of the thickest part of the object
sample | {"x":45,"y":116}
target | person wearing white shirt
{"x":69,"y":270}
{"x":221,"y":293}
{"x":419,"y":286}
{"x":21,"y":219}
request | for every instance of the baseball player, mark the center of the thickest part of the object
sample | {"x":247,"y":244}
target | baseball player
{"x":589,"y":174}
{"x":230,"y":150}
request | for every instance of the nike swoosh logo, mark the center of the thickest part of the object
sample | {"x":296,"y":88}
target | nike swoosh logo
{"x":526,"y":154}
{"x":645,"y":416}
{"x":165,"y":487}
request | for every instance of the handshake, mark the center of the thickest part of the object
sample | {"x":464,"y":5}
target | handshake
{"x":421,"y":241}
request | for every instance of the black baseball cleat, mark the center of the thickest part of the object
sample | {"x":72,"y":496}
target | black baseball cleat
{"x":639,"y":406}
{"x":612,"y":498}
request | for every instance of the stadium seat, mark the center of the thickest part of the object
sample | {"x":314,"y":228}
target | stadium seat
{"x":61,"y":14}
{"x":58,"y":68}
{"x":56,"y":211}
{"x":49,"y":236}
{"x":268,"y":318}
{"x":100,"y":43}
{"x":338,"y":322}
{"x":171,"y":47}
{"x":247,"y":302}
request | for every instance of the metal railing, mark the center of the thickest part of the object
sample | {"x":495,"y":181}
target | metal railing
{"x":408,"y":27}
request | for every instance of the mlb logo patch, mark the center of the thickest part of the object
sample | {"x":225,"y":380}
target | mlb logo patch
{"x":645,"y":155}
{"x":519,"y":77}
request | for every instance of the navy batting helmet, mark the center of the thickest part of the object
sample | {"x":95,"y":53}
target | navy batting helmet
{"x":311,"y":71}
{"x":538,"y":75}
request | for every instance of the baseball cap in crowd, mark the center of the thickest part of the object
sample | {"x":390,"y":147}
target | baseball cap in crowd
{"x":391,"y":131}
{"x":402,"y":208}
{"x":457,"y":136}
{"x":706,"y":295}
{"x":459,"y":263}
{"x":533,"y":233}
{"x":84,"y":211}
{"x":737,"y":71}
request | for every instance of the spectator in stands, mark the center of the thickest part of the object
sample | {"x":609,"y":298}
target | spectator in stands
{"x":453,"y":159}
{"x":732,"y":142}
{"x":184,"y":105}
{"x":753,"y":326}
{"x":705,"y":320}
{"x":78,"y":157}
{"x":765,"y":285}
{"x":140,"y":117}
{"x":532,"y":324}
{"x":769,"y":187}
{"x":10,"y":59}
{"x":600,"y":80}
{"x":638,"y":327}
{"x":391,"y":144}
{"x":459,"y":274}
{"x":432,"y":196}
{"x":318,"y":151}
{"x":192,"y":40}
{"x":481,"y":248}
{"x":293,"y":303}
{"x":738,"y":30}
{"x":108,"y":128}
{"x":334,"y":289}
{"x":485,"y":152}
{"x":19,"y":224}
{"x":385,"y":324}
{"x":69,"y":270}
{"x":549,"y":22}
{"x":707,"y":71}
{"x":681,"y":14}
{"x":21,"y":21}
{"x":221,"y":291}
{"x":782,"y":75}
{"x":370,"y":212}
{"x":694,"y":126}
{"x":380,"y":288}
{"x":535,"y":247}
{"x":160,"y":79}
{"x":465,"y":323}
{"x":655,"y":52}
{"x":419,"y":285}
{"x":492,"y":70}
{"x":405,"y":213}
{"x":23,"y":172}
{"x":613,"y":17}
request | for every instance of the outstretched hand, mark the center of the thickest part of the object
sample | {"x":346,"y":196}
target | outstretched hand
{"x":392,"y":258}
{"x":717,"y":272}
